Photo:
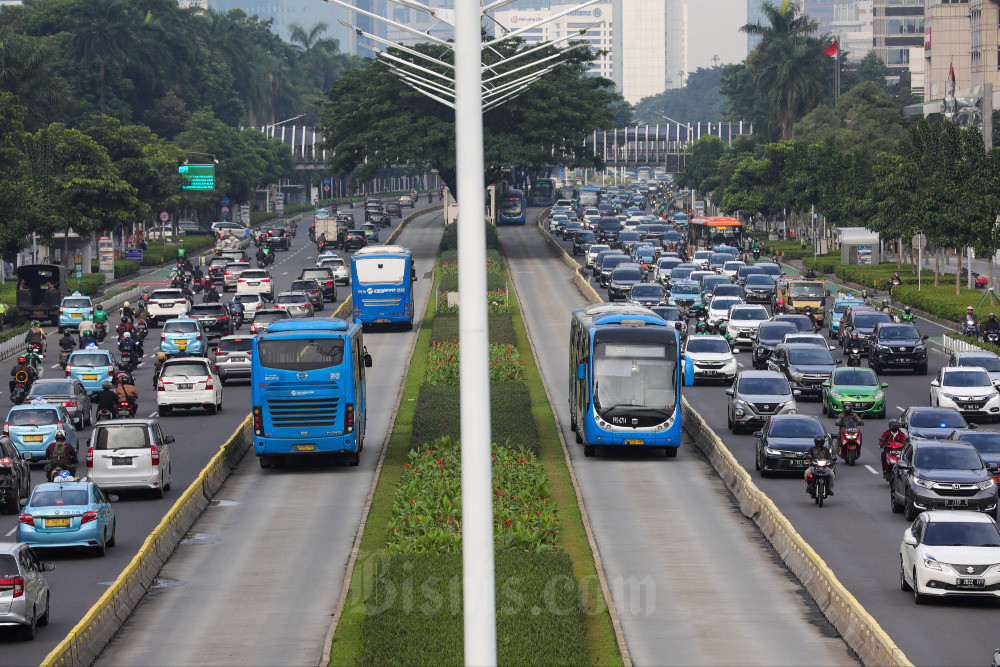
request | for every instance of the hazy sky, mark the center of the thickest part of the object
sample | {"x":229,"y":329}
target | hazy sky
{"x":713,"y":29}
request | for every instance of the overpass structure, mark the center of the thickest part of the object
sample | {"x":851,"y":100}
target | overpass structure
{"x":306,"y":144}
{"x":664,"y":146}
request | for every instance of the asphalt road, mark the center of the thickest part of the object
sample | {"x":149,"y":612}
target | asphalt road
{"x":857,"y":534}
{"x":693,"y":581}
{"x":79,"y":580}
{"x":258,"y":577}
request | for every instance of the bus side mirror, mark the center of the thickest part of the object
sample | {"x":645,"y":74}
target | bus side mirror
{"x":581,"y":371}
{"x":688,"y":371}
{"x":368,"y":360}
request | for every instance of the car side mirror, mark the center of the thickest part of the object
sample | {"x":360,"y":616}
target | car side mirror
{"x":885,"y":385}
{"x":796,"y":392}
{"x":730,"y":392}
{"x":925,"y":337}
{"x":832,"y":347}
{"x":973,"y":426}
{"x":758,"y":434}
{"x":169,"y":439}
{"x":993,"y":469}
{"x":736,"y":350}
{"x":935,"y":383}
{"x":838,"y":361}
{"x":909,"y":539}
{"x":826,"y":384}
{"x":48,"y":567}
{"x":113,"y":498}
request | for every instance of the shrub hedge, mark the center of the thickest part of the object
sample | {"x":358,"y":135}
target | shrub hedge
{"x":450,"y":239}
{"x":878,"y":275}
{"x":823,"y":263}
{"x":788,"y":249}
{"x":941,"y":301}
{"x":123,"y":267}
{"x":437,"y":414}
{"x":446,"y":328}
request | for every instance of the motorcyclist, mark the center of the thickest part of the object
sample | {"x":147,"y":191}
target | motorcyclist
{"x":87,"y":338}
{"x":36,"y":336}
{"x":973,"y":319}
{"x":100,"y":320}
{"x":60,"y":454}
{"x":268,"y":255}
{"x":132,"y":346}
{"x":106,"y":398}
{"x":321,"y":241}
{"x":127,"y":313}
{"x":66,"y":343}
{"x":892,"y":438}
{"x":849,"y":419}
{"x":808,"y":312}
{"x":260,"y":256}
{"x":160,"y":358}
{"x":125,"y":390}
{"x":908,"y":316}
{"x":236,"y":307}
{"x":725,"y":334}
{"x":23,"y":365}
{"x":811,"y":274}
{"x":211,"y":294}
{"x":895,"y":280}
{"x":779,"y":308}
{"x":820,"y":450}
{"x":142,"y":311}
{"x":991,"y":325}
{"x":197,"y":273}
{"x":702,"y":329}
{"x":33,"y":359}
{"x":864,"y":296}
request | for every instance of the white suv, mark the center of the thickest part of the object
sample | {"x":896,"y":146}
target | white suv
{"x":130,"y":454}
{"x":338,"y":267}
{"x":188,"y":383}
{"x":255,"y":280}
{"x":744,"y":321}
{"x":166,"y":304}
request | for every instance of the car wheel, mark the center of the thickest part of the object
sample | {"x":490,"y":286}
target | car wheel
{"x":825,"y":411}
{"x":910,"y":511}
{"x":729,"y":422}
{"x":101,"y":550}
{"x":28,"y":631}
{"x":158,"y":491}
{"x":170,"y":479}
{"x":164,"y":410}
{"x":212,"y":408}
{"x":918,"y":597}
{"x":113,"y":540}
{"x":904,"y":585}
{"x":90,"y":416}
{"x":43,"y":620}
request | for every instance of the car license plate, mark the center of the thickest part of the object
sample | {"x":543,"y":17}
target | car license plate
{"x":181,"y":346}
{"x":633,"y":441}
{"x":305,"y":448}
{"x":800,"y":463}
{"x":956,"y":502}
{"x":253,"y":283}
{"x":971,"y":583}
{"x":710,"y":372}
{"x":185,"y":385}
{"x":122,"y":461}
{"x":77,"y":314}
{"x":89,"y":377}
{"x":32,"y":438}
{"x":57,"y":523}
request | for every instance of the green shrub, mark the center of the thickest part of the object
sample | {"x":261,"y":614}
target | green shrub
{"x":88,"y":286}
{"x":437,"y":414}
{"x":788,"y":249}
{"x":450,"y":239}
{"x":878,"y":275}
{"x":823,"y":263}
{"x":501,"y":329}
{"x":443,"y":363}
{"x":941,"y":301}
{"x":978,"y":342}
{"x":123,"y":267}
{"x":414,"y":610}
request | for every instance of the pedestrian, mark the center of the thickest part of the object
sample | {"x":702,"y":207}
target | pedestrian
{"x":3,"y":313}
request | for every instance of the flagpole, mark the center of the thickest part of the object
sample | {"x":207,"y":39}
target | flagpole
{"x":836,"y":76}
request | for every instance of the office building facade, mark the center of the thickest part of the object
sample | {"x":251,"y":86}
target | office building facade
{"x":852,"y":26}
{"x":898,"y":37}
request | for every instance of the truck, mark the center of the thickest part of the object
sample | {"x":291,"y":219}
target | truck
{"x":798,"y":293}
{"x":331,"y":226}
{"x":40,"y":289}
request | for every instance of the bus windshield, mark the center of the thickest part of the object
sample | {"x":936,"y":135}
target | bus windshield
{"x":301,"y":354}
{"x":380,"y":270}
{"x":543,"y":188}
{"x":511,"y":206}
{"x":633,"y":377}
{"x":589,"y":198}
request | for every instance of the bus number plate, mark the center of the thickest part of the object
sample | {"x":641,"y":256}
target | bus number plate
{"x":634,"y":441}
{"x":382,"y":320}
{"x":305,"y":448}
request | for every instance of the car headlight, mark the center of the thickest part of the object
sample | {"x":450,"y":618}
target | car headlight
{"x":950,"y":397}
{"x":931,"y":563}
{"x":836,"y":394}
{"x":882,"y":348}
{"x":772,"y":452}
{"x":985,"y":484}
{"x":925,"y":483}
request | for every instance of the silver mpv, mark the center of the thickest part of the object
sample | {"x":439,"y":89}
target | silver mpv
{"x":756,"y":396}
{"x":24,"y":592}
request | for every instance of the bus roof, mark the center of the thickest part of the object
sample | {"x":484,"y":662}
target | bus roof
{"x":717,"y":222}
{"x":301,"y":325}
{"x":382,"y":250}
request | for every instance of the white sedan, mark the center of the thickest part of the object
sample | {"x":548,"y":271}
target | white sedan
{"x":950,"y":552}
{"x":711,"y":358}
{"x":188,"y":383}
{"x":595,"y":250}
{"x":337,"y":265}
{"x":968,"y":389}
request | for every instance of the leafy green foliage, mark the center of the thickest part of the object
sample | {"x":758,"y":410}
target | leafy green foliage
{"x":443,"y":364}
{"x":450,"y":239}
{"x":864,"y":120}
{"x":699,"y":99}
{"x":445,"y":328}
{"x":123,"y":267}
{"x":942,"y":301}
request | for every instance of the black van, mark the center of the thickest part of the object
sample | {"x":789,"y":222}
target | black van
{"x":40,"y":289}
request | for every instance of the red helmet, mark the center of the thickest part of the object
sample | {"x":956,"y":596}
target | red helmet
{"x":781,"y":303}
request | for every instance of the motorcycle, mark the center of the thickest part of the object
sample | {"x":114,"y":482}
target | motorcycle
{"x":142,"y":329}
{"x":850,"y":444}
{"x":819,"y":480}
{"x":126,"y":362}
{"x":100,"y":331}
{"x":197,"y":285}
{"x":64,"y":358}
{"x":104,"y":414}
{"x":890,"y":456}
{"x":176,"y":282}
{"x":854,"y":355}
{"x":969,"y":327}
{"x":992,"y":337}
{"x":756,"y":254}
{"x":33,"y":348}
{"x":237,"y":318}
{"x":34,"y":360}
{"x":20,"y":390}
{"x":125,"y":410}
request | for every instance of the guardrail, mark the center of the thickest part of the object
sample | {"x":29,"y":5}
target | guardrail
{"x":856,"y":626}
{"x":958,"y":345}
{"x":88,"y":638}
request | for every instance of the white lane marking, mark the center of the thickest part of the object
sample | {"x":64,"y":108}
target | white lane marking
{"x":54,"y":366}
{"x":871,"y":469}
{"x":11,"y":531}
{"x":151,"y":415}
{"x":899,"y":407}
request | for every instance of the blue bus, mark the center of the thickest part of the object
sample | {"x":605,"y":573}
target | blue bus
{"x":543,"y":192}
{"x":510,"y":210}
{"x":588,"y":196}
{"x":308,"y":390}
{"x":625,"y":378}
{"x":382,"y":285}
{"x":643,"y":173}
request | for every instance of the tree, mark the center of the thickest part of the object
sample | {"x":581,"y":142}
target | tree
{"x":316,"y":52}
{"x":18,"y":200}
{"x":864,"y":120}
{"x":168,"y":116}
{"x":702,"y":170}
{"x":699,"y":100}
{"x":26,"y":71}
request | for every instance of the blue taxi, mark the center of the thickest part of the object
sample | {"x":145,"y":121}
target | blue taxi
{"x":840,"y":304}
{"x":32,"y":427}
{"x":371,"y":232}
{"x":92,"y":366}
{"x":75,"y":309}
{"x":68,"y":513}
{"x":182,"y":334}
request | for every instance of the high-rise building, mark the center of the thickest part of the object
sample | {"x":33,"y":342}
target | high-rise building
{"x":677,"y":43}
{"x":852,"y":26}
{"x":984,"y":43}
{"x":947,"y":46}
{"x":822,"y":12}
{"x":898,"y":37}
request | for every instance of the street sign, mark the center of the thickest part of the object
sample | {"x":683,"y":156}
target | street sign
{"x":106,"y":257}
{"x":279,"y":202}
{"x":864,"y":254}
{"x":134,"y":254}
{"x":326,"y":181}
{"x":78,"y":267}
{"x":164,"y":216}
{"x":919,"y":241}
{"x":326,"y":187}
{"x":225,"y":210}
{"x":200,"y":176}
{"x":225,"y":201}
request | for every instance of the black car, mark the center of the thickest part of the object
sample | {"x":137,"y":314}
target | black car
{"x":394,"y":210}
{"x":622,"y":278}
{"x":800,"y":322}
{"x":627,"y":240}
{"x":806,"y":366}
{"x":599,"y":260}
{"x":647,"y":294}
{"x":570,"y":229}
{"x":783,"y":442}
{"x":759,"y":288}
{"x":607,"y":230}
{"x":277,"y":239}
{"x":745,"y":272}
{"x":354,"y":240}
{"x":372,"y":209}
{"x":935,"y":423}
{"x":193,"y":229}
{"x":609,"y":264}
{"x":214,"y":319}
{"x":217,"y":269}
{"x":894,"y":345}
{"x":312,"y":289}
{"x":767,"y":337}
{"x":378,"y":218}
{"x":582,"y":241}
{"x":862,"y":321}
{"x":987,"y":443}
{"x":15,"y":478}
{"x":324,"y":276}
{"x":941,"y":474}
{"x":346,"y":217}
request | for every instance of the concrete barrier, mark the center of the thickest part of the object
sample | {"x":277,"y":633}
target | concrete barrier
{"x":959,"y":345}
{"x":856,"y":626}
{"x":89,"y":637}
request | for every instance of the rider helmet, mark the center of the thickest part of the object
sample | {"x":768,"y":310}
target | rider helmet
{"x":34,"y":323}
{"x":126,"y":335}
{"x":160,"y":356}
{"x":819,"y":440}
{"x":906,"y":309}
{"x":106,"y":385}
{"x":60,"y":434}
{"x":125,"y":305}
{"x":894,"y":425}
{"x":993,"y":316}
{"x":848,"y":408}
{"x":864,"y":294}
{"x":969,"y":309}
{"x":86,"y":332}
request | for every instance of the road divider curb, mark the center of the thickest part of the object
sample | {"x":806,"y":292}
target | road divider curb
{"x":89,"y":637}
{"x":856,"y":626}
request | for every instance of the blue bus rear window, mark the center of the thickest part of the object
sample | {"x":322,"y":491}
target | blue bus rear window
{"x":300,"y":354}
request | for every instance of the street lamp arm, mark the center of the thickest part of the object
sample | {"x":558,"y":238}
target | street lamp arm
{"x":404,"y":49}
{"x":401,"y":26}
{"x":546,"y":45}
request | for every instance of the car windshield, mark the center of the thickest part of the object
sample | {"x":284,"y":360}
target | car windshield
{"x":185,"y":369}
{"x":804,"y":357}
{"x":805,"y":289}
{"x":972,"y":377}
{"x":724,"y":303}
{"x":121,"y":437}
{"x":732,"y":266}
{"x":647,"y":290}
{"x":585,"y":237}
{"x":253,"y":274}
{"x":598,"y":249}
{"x":947,"y":458}
{"x":33,"y":417}
{"x":757,"y":313}
{"x":961,"y":534}
{"x":856,"y":377}
{"x":767,"y":386}
{"x":629,"y":237}
{"x":795,"y":428}
{"x":634,"y":376}
{"x":236,"y":344}
{"x":301,"y":354}
{"x":988,"y":362}
{"x":702,"y":255}
{"x":89,"y":360}
{"x":59,"y":497}
{"x":52,"y":387}
{"x":986,"y":442}
{"x":900,"y":332}
{"x":759,"y":280}
{"x":708,"y":345}
{"x":71,"y":302}
{"x":611,"y":261}
{"x":727,"y":290}
{"x":291,"y":298}
{"x":770,"y":269}
{"x":234,"y":267}
{"x":670,"y":314}
{"x":689,"y":288}
{"x":719,"y":258}
{"x":321,"y":274}
{"x":180,"y":327}
{"x":869,"y":320}
{"x":774,"y":332}
{"x":937,"y":419}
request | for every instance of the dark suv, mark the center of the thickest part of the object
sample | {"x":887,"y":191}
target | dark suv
{"x":217,"y":269}
{"x":277,"y":238}
{"x":767,"y":337}
{"x":394,"y":210}
{"x":354,"y":240}
{"x":894,"y":345}
{"x":582,"y":241}
{"x":622,"y":278}
{"x":214,"y":319}
{"x":324,"y":276}
{"x":806,"y":366}
{"x":936,"y":474}
{"x":861,"y":319}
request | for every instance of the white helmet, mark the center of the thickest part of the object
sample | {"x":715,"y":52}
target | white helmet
{"x":125,"y":304}
{"x":126,"y":335}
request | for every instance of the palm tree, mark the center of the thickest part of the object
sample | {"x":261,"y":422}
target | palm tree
{"x":26,"y":71}
{"x":315,"y":53}
{"x":787,"y":65}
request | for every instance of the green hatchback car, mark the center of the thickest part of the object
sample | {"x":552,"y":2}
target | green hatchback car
{"x":858,"y":386}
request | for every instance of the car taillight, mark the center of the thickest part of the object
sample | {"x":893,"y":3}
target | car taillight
{"x":265,"y":280}
{"x":228,"y":273}
{"x":160,"y":386}
{"x":61,"y":311}
{"x":328,"y":283}
{"x":69,"y":404}
{"x":316,"y":291}
{"x":198,"y":337}
{"x":219,"y":352}
{"x":68,"y":367}
{"x":88,"y":516}
{"x":15,"y":583}
{"x":349,"y":418}
{"x":258,"y":421}
{"x":27,"y":519}
{"x":155,"y":454}
{"x":90,"y":457}
{"x":111,"y":368}
{"x":5,"y":462}
{"x":162,"y":337}
{"x":223,"y":317}
{"x":181,"y":302}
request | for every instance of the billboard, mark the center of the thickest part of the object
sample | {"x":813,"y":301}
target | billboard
{"x":201,"y":176}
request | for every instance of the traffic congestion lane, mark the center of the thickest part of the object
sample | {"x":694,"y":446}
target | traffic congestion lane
{"x":79,"y":581}
{"x":659,"y":521}
{"x":856,"y":533}
{"x":273,"y":554}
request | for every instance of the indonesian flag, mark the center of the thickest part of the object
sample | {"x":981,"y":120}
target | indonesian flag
{"x":949,"y":84}
{"x":831,"y":50}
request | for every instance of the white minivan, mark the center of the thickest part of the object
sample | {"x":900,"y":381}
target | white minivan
{"x":129,"y":454}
